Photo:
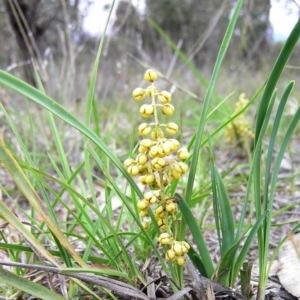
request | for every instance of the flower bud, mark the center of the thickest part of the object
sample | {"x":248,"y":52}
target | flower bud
{"x":180,"y":261}
{"x":157,"y":133}
{"x":133,"y":170}
{"x":146,"y":225}
{"x":167,"y":109}
{"x":142,"y":205}
{"x":151,"y":90}
{"x":171,"y":208}
{"x":128,"y":162}
{"x":147,"y":178}
{"x":171,"y":128}
{"x":183,"y":153}
{"x":144,"y":129}
{"x":147,"y":143}
{"x":150,"y":197}
{"x":170,"y":255}
{"x":142,"y":159}
{"x":164,"y":97}
{"x":164,"y":238}
{"x":147,"y":110}
{"x":174,"y":144}
{"x":144,"y":213}
{"x":139,"y":94}
{"x":158,"y":163}
{"x":150,"y":75}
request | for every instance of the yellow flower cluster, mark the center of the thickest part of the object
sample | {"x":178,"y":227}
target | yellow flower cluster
{"x":176,"y":250}
{"x":239,"y":129}
{"x":159,"y":161}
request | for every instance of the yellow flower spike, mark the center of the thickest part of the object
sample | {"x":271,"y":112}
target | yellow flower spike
{"x":142,"y":204}
{"x":167,"y":109}
{"x":147,"y":143}
{"x":183,"y":153}
{"x":147,"y":110}
{"x":158,"y":163}
{"x":150,"y":75}
{"x":133,"y":170}
{"x":143,"y":149}
{"x":151,"y":89}
{"x":146,"y":225}
{"x":170,"y":255}
{"x":139,"y":94}
{"x":171,"y":128}
{"x":180,"y":261}
{"x":143,"y":169}
{"x":144,"y":129}
{"x":128,"y":162}
{"x":142,"y":159}
{"x":157,"y":133}
{"x":164,"y":97}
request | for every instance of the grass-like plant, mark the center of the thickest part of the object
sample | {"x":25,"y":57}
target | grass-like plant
{"x":98,"y":228}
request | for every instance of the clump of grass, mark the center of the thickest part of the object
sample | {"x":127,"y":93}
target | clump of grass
{"x":117,"y":244}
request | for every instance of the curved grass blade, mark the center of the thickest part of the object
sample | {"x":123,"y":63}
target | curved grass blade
{"x":274,"y":77}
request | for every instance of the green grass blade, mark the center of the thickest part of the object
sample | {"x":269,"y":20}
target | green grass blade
{"x":245,"y":249}
{"x":197,"y":236}
{"x":200,"y":129}
{"x":27,"y":286}
{"x":274,"y":76}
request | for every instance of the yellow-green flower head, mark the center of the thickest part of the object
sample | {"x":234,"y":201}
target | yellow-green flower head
{"x":165,"y":239}
{"x":146,"y":225}
{"x":144,"y":213}
{"x":139,"y":94}
{"x":144,"y":129}
{"x":180,"y":260}
{"x":170,"y":255}
{"x":128,"y":162}
{"x":151,"y":91}
{"x":171,"y":128}
{"x":151,"y":196}
{"x":133,"y":170}
{"x":158,"y":163}
{"x":147,"y":143}
{"x":143,"y":205}
{"x":157,"y":133}
{"x":147,"y":179}
{"x":167,"y":109}
{"x":171,"y":208}
{"x":183,"y":153}
{"x":142,"y":159}
{"x":174,"y":144}
{"x":164,"y":149}
{"x":147,"y":110}
{"x":150,"y":75}
{"x":161,"y":223}
{"x":164,"y":97}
